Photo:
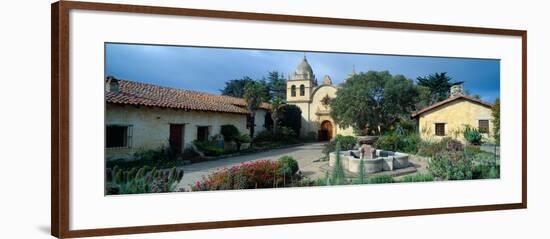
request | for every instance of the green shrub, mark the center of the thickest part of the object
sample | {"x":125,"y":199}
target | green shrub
{"x":161,"y":153}
{"x":243,"y":138}
{"x":408,"y":125}
{"x":472,"y":135}
{"x":388,"y":142}
{"x":264,"y":136}
{"x":451,"y":166}
{"x":209,"y":148}
{"x":472,"y":149}
{"x":429,"y":149}
{"x":229,"y":132}
{"x":418,"y":177}
{"x":310,"y":137}
{"x":346,"y":143}
{"x":407,"y":143}
{"x":484,"y":171}
{"x":284,"y":134}
{"x":290,"y":116}
{"x":288,"y":166}
{"x":145,"y":180}
{"x":381,"y":179}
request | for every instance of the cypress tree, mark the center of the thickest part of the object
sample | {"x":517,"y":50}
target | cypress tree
{"x":361,"y":176}
{"x":338,"y":175}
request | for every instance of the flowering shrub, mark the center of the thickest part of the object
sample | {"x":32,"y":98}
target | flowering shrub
{"x":249,"y":175}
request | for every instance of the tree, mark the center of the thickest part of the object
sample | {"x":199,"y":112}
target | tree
{"x":496,"y":120}
{"x":277,"y":85}
{"x":275,"y":106}
{"x":361,"y":174}
{"x":236,"y":87}
{"x":290,"y":116}
{"x":338,"y":175}
{"x":371,"y":102}
{"x":254,"y":92}
{"x":274,"y":86}
{"x":439,"y":85}
{"x":424,"y":98}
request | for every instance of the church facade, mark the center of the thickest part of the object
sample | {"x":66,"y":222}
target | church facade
{"x":314,"y":101}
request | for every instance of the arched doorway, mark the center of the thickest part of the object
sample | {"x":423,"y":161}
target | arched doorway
{"x":325,"y":131}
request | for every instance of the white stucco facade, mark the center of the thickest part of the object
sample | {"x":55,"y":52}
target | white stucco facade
{"x":150,"y":126}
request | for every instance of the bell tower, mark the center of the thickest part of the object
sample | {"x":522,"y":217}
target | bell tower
{"x":301,"y":83}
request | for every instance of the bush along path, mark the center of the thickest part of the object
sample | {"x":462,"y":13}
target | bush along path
{"x":303,"y":154}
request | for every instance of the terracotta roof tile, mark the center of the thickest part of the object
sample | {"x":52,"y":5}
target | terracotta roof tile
{"x":441,"y":103}
{"x":136,"y":93}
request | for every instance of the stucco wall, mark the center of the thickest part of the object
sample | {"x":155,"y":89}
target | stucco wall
{"x":455,"y":115}
{"x":320,"y":112}
{"x":306,"y":122}
{"x":151,"y":126}
{"x":259,"y":121}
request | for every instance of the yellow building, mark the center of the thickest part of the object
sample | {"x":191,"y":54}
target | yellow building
{"x":449,"y":117}
{"x":313,"y":99}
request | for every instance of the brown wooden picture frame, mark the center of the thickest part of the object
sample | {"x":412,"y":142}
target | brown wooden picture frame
{"x":60,"y":216}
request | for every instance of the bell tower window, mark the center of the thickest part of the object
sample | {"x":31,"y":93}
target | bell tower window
{"x":302,"y":90}
{"x":293,"y":91}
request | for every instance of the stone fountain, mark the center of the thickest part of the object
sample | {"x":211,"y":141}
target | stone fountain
{"x":375,"y":160}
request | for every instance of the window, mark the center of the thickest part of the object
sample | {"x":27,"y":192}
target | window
{"x":302,"y":90}
{"x":293,"y":91}
{"x":202,"y":133}
{"x":440,"y":129}
{"x":118,"y":136}
{"x":484,"y":126}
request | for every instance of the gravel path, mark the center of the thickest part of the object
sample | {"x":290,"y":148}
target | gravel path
{"x":304,"y":154}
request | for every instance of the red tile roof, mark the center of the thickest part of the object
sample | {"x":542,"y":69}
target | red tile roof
{"x":136,"y":93}
{"x":449,"y":100}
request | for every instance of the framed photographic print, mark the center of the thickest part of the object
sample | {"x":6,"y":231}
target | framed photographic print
{"x":167,"y":119}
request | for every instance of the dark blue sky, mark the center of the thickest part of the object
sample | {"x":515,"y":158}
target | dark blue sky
{"x":206,"y":69}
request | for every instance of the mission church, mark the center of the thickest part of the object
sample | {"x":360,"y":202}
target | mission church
{"x":314,"y":99}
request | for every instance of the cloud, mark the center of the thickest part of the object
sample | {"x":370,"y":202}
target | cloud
{"x":207,"y":69}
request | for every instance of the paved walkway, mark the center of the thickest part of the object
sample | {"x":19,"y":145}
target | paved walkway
{"x":304,"y":154}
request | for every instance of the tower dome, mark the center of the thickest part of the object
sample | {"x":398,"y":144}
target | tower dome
{"x":303,"y":71}
{"x":327,"y":80}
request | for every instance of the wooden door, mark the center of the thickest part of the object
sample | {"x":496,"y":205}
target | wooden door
{"x":176,"y":137}
{"x":325,"y":132}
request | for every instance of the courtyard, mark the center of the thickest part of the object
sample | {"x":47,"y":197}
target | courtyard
{"x":300,"y":129}
{"x":309,"y":157}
